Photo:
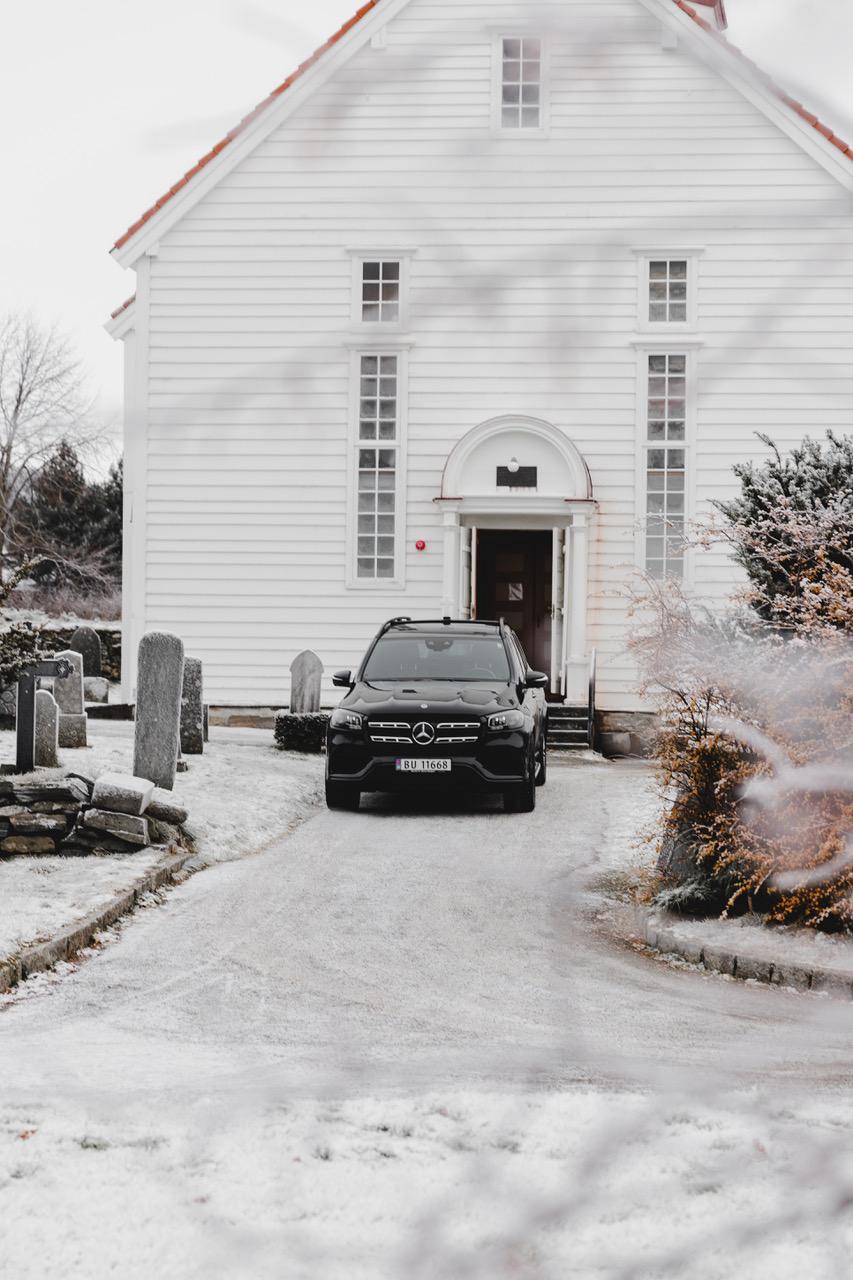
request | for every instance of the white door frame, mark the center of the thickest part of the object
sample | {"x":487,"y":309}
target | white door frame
{"x":570,"y":523}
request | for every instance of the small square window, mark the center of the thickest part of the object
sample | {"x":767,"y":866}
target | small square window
{"x":380,"y":292}
{"x":667,"y":286}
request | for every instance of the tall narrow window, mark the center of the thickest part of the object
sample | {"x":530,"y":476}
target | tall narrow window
{"x":666,"y":458}
{"x":668,"y":291}
{"x":521,"y":84}
{"x":380,"y":292}
{"x":378,"y":444}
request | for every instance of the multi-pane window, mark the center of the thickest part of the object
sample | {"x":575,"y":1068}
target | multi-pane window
{"x":666,"y":465}
{"x":377,"y":466}
{"x":521,"y":84}
{"x":668,"y":291}
{"x":380,"y":292}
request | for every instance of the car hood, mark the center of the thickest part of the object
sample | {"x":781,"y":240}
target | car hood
{"x":413,"y":696}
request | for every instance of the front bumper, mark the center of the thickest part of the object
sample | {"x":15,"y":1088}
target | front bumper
{"x":499,"y":761}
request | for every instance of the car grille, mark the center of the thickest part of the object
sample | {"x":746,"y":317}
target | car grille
{"x":402,"y":732}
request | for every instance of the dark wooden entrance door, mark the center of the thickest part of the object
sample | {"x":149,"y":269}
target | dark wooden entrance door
{"x":514,"y":583}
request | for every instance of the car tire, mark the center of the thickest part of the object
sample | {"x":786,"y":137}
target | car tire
{"x":342,"y":795}
{"x":521,"y":798}
{"x":542,"y":764}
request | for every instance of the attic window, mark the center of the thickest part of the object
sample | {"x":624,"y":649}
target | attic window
{"x":380,"y":292}
{"x":521,"y":83}
{"x":668,"y":280}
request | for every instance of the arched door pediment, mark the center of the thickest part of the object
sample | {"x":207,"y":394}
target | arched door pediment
{"x":472,"y":466}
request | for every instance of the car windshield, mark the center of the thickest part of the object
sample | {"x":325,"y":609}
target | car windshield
{"x":438,"y":657}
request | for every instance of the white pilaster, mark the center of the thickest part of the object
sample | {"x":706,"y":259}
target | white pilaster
{"x":578,"y":586}
{"x":450,"y":596}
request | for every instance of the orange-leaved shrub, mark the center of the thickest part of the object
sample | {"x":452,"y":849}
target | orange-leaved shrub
{"x":756,"y":755}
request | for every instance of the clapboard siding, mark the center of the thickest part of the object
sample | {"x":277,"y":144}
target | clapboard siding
{"x":523,"y":299}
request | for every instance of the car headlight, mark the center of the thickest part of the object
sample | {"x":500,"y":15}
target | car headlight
{"x":507,"y":720}
{"x":344,"y":719}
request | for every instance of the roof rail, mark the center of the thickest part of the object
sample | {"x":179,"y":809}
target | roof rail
{"x":441,"y":622}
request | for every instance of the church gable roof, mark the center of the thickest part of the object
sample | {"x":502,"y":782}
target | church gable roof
{"x":739,"y":61}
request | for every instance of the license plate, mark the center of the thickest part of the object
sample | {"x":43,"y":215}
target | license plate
{"x":423,"y":766}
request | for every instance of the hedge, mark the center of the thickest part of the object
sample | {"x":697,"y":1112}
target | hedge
{"x":301,"y":732}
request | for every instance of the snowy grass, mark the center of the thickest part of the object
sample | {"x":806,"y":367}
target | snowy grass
{"x":445,"y":1186}
{"x":241,"y":794}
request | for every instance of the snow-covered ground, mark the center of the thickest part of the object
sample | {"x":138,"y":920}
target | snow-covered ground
{"x":401,"y":1045}
{"x":241,"y":794}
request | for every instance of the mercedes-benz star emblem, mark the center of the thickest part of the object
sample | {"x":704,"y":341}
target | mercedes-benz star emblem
{"x":423,"y":734}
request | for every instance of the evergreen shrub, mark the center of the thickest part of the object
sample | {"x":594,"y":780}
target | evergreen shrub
{"x":305,"y":732}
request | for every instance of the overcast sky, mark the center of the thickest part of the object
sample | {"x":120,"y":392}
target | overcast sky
{"x":106,"y":102}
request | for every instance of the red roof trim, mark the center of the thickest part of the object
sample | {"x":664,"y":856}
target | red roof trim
{"x":801,"y":111}
{"x":717,"y":5}
{"x":124,"y":306}
{"x":235,"y":132}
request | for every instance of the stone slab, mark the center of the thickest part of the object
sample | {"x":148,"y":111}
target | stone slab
{"x":69,"y":690}
{"x":158,"y":708}
{"x":72,"y":731}
{"x":192,"y":708}
{"x":46,"y":741}
{"x":96,"y":689}
{"x":87,"y":643}
{"x":34,"y":846}
{"x":122,"y":793}
{"x":306,"y":674}
{"x":134,"y":830}
{"x":165,"y":812}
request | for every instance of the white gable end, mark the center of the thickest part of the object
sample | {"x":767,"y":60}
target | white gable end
{"x":523,"y":261}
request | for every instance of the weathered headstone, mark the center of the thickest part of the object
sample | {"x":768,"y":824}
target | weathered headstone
{"x":69,"y":699}
{"x":206,"y":721}
{"x":87,"y":643}
{"x":47,"y":731}
{"x":159,"y":681}
{"x":96,"y":689}
{"x":306,"y":673}
{"x":192,"y":713}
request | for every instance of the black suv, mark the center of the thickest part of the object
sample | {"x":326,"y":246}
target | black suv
{"x":449,"y":700}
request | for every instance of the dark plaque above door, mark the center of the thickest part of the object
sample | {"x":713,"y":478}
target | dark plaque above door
{"x":521,"y":478}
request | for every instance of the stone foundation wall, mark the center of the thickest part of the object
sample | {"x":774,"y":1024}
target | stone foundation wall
{"x":626,"y":733}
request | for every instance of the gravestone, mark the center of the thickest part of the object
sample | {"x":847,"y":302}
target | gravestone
{"x":47,"y":731}
{"x":159,"y":682}
{"x":69,"y":699}
{"x":206,"y":722}
{"x":87,"y":643}
{"x":306,"y":672}
{"x":96,"y":689}
{"x":192,"y":709}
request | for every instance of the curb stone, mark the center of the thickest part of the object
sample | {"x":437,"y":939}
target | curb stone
{"x":70,"y":941}
{"x":659,"y":930}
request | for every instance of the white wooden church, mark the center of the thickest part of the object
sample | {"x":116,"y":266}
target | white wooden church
{"x":469,"y":317}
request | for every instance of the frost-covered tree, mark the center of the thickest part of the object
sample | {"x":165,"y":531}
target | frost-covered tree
{"x":791,"y":527}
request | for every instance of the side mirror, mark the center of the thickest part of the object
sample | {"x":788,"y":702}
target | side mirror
{"x":537,"y":680}
{"x":342,"y":680}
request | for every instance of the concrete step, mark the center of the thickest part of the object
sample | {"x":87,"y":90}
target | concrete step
{"x":568,"y":738}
